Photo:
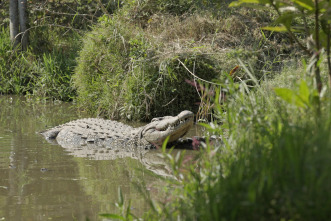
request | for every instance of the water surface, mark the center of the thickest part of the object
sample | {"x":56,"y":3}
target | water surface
{"x":43,"y":181}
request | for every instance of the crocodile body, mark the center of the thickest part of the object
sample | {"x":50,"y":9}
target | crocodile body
{"x":108,"y":133}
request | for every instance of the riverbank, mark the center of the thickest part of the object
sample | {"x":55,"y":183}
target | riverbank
{"x":144,"y":59}
{"x":156,"y":57}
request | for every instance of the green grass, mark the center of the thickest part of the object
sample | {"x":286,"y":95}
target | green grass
{"x":131,"y":64}
{"x":122,"y":74}
{"x":44,"y":76}
{"x":274,"y":163}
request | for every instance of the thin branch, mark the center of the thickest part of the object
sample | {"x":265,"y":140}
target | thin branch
{"x":169,"y":101}
{"x":317,"y":41}
{"x":209,"y":82}
{"x":328,"y":52}
{"x":63,"y":13}
{"x":37,"y":26}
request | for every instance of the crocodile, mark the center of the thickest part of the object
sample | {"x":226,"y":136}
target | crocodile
{"x":108,"y":133}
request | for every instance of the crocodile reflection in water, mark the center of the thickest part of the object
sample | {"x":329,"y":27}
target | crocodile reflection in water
{"x":150,"y":159}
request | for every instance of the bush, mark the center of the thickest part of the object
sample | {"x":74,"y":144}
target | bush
{"x":274,"y":163}
{"x":44,"y":71}
{"x":131,"y":68}
{"x":121,"y":73}
{"x":47,"y":76}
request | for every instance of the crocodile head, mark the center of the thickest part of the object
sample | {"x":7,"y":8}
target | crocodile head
{"x":162,"y":127}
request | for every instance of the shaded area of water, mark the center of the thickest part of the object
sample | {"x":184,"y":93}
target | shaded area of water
{"x":43,"y":181}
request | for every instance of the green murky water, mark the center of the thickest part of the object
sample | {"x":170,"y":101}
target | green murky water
{"x":43,"y":181}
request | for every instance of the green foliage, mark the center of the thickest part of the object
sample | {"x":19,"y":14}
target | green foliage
{"x":44,"y":71}
{"x":121,"y":73}
{"x":53,"y":77}
{"x":48,"y":76}
{"x":135,"y":70}
{"x":303,"y":98}
{"x":124,"y":210}
{"x":139,"y":67}
{"x":292,"y":18}
{"x":274,"y":163}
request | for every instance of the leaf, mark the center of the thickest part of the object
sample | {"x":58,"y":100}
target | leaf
{"x":326,"y":11}
{"x":285,"y":93}
{"x":112,"y":216}
{"x":324,"y":39}
{"x":306,"y":4}
{"x":281,"y":28}
{"x":276,"y":29}
{"x":325,"y":26}
{"x":128,"y":211}
{"x":73,"y":19}
{"x":239,"y":3}
{"x":289,"y":96}
{"x":164,"y":145}
{"x":206,"y":126}
{"x":286,"y":19}
{"x":248,"y":3}
{"x":236,"y":67}
{"x":120,"y":197}
{"x":304,"y":92}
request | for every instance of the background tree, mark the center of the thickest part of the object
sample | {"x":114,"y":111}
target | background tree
{"x":18,"y":23}
{"x":22,"y":8}
{"x":14,"y":23}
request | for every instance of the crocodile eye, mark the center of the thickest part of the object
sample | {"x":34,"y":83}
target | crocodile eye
{"x":157,"y":119}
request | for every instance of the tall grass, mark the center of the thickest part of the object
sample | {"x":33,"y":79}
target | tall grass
{"x":123,"y":73}
{"x":44,"y":76}
{"x":53,"y":76}
{"x":274,"y":163}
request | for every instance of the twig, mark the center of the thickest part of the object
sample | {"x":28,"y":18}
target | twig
{"x":170,"y":101}
{"x":209,"y":82}
{"x":37,"y":26}
{"x":63,"y":13}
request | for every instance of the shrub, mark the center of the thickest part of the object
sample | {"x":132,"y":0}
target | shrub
{"x":131,"y":68}
{"x":273,"y":165}
{"x":129,"y":77}
{"x":48,"y":76}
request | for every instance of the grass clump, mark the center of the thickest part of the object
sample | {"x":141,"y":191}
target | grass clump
{"x":274,"y":163}
{"x":140,"y":62}
{"x":46,"y":76}
{"x":122,"y":73}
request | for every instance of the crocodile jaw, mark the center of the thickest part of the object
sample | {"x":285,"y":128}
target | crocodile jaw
{"x":175,"y":127}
